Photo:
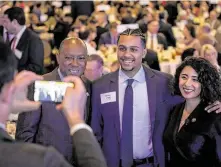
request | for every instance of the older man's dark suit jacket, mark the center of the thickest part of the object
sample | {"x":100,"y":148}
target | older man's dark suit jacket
{"x":105,"y":117}
{"x":48,"y":126}
{"x":86,"y":152}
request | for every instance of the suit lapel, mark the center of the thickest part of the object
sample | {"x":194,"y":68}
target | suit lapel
{"x":54,"y":76}
{"x":88,"y":86}
{"x":23,"y":40}
{"x":114,"y":87}
{"x":152,"y":93}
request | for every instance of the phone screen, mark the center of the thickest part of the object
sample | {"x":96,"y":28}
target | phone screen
{"x":50,"y":91}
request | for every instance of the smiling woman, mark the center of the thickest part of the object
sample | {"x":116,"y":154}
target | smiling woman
{"x":192,"y":135}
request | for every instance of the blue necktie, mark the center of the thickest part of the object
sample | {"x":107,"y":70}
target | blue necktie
{"x":127,"y":127}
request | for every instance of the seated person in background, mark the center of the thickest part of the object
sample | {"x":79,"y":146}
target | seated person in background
{"x":190,"y":37}
{"x":203,"y":29}
{"x":190,"y":40}
{"x":94,"y":67}
{"x":209,"y":53}
{"x":154,"y":38}
{"x":88,"y":35}
{"x":209,"y":39}
{"x":213,"y":21}
{"x":36,"y":25}
{"x":189,"y":53}
{"x":192,"y":136}
{"x":110,"y":37}
{"x":147,"y":16}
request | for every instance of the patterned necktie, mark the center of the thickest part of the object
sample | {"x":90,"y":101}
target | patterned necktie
{"x":127,"y":127}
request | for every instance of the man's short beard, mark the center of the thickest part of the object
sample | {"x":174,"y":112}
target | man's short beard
{"x":126,"y":69}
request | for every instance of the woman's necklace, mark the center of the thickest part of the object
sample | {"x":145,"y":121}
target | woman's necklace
{"x":184,"y":118}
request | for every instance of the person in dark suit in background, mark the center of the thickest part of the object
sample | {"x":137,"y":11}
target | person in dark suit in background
{"x":26,"y":45}
{"x":39,"y":127}
{"x":171,"y":8}
{"x":192,"y":136}
{"x":60,"y":31}
{"x":102,"y":25}
{"x":147,"y":16}
{"x":13,"y":99}
{"x":81,"y":8}
{"x":154,"y":38}
{"x":151,"y":60}
{"x":110,"y":37}
{"x":166,"y":30}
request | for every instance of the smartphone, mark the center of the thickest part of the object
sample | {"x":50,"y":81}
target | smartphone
{"x":50,"y":91}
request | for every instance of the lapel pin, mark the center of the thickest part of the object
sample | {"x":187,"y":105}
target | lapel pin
{"x":87,"y":94}
{"x":193,"y":120}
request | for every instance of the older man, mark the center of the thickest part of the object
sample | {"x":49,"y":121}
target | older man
{"x":13,"y":99}
{"x":48,"y":126}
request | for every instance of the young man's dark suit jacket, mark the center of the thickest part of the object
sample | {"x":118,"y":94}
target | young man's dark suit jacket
{"x":86,"y":152}
{"x":32,"y":50}
{"x":105,"y":117}
{"x":48,"y":126}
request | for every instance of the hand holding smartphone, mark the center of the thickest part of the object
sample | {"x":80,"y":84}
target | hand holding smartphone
{"x":50,"y":91}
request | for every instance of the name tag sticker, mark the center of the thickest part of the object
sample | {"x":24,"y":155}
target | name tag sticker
{"x":108,"y":97}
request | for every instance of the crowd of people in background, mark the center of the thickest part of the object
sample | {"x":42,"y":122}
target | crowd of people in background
{"x":179,"y":25}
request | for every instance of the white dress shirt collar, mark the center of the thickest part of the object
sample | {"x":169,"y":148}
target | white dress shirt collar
{"x":150,"y":34}
{"x":60,"y":74}
{"x":139,"y":76}
{"x":18,"y":36}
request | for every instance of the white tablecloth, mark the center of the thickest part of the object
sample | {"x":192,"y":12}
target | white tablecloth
{"x":169,"y":67}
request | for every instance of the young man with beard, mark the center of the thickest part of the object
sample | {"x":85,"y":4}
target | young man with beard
{"x":48,"y":126}
{"x":131,"y":107}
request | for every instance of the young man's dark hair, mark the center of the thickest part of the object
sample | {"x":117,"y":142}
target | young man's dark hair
{"x":135,"y":32}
